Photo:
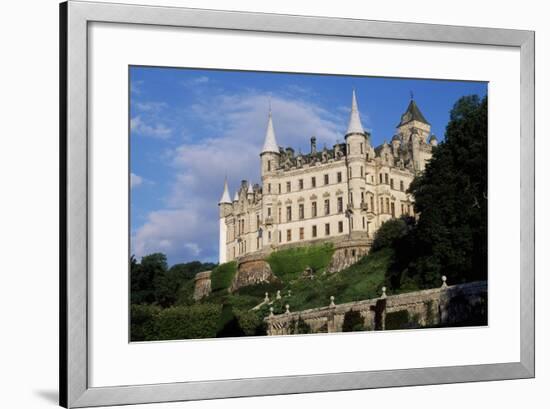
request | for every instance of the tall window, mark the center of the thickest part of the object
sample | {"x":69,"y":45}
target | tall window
{"x":279,"y":218}
{"x":269,"y":212}
{"x":361,"y":148}
{"x":289,"y":213}
{"x":363,"y":222}
{"x":392,"y":209}
{"x":288,"y":235}
{"x":327,"y":229}
{"x":372,"y":204}
{"x":326,"y":179}
{"x":391,"y":183}
{"x":257,"y":221}
{"x":340,"y":227}
{"x":381,"y":205}
{"x":340,"y":204}
{"x":301,"y":211}
{"x":380,"y":178}
{"x":301,"y":233}
{"x":313,"y":209}
{"x":269,"y":166}
{"x":327,"y":207}
{"x":269,"y":188}
{"x":287,"y":187}
{"x":300,"y":184}
{"x":313,"y":231}
{"x":339,"y":177}
{"x":280,"y":191}
{"x":386,"y":178}
{"x":351,"y":198}
{"x":280,"y":239}
{"x":269,"y":236}
{"x":313,"y":182}
{"x":361,"y":175}
{"x":387,"y":205}
{"x":401,"y":185}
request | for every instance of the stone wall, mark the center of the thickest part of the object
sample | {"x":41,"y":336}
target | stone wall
{"x":252,"y":270}
{"x":446,"y":306}
{"x":203,"y":285}
{"x":347,"y":253}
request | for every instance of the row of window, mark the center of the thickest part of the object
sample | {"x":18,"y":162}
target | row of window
{"x":383,"y":178}
{"x":314,"y":232}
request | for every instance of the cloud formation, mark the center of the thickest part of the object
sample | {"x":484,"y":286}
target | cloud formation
{"x":135,"y":180}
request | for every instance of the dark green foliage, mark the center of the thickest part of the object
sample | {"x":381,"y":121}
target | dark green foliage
{"x":250,"y":322}
{"x":290,"y":263}
{"x":353,"y":322}
{"x":450,"y":237}
{"x":142,"y":322}
{"x":397,"y":320}
{"x":388,"y":233}
{"x":143,"y":275}
{"x":222,"y":276}
{"x":187,"y":322}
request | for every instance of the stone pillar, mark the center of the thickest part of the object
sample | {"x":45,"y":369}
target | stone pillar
{"x":203,"y":285}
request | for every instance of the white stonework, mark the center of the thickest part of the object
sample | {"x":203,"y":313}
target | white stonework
{"x":349,"y":190}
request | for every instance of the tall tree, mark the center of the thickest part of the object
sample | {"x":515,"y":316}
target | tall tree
{"x":450,"y":237}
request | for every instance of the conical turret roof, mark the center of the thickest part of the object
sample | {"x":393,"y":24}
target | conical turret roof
{"x":270,"y":142}
{"x":250,"y":190}
{"x":236,"y":197}
{"x":226,"y":198}
{"x":412,"y":114}
{"x":354,"y":125}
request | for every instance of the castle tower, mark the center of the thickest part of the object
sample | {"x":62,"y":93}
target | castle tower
{"x":357,"y":146}
{"x":226,"y":208}
{"x":270,"y":151}
{"x":415,"y":130}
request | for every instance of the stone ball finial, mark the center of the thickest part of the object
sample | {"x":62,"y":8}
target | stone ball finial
{"x":383,"y":293}
{"x":271,"y":312}
{"x":278,"y":294}
{"x":266,"y":299}
{"x":332,"y":301}
{"x":287,"y":309}
{"x":289,"y":293}
{"x":444,"y":279}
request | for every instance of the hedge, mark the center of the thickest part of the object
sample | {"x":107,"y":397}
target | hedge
{"x":149,"y":323}
{"x":222,"y":276}
{"x":288,"y":264}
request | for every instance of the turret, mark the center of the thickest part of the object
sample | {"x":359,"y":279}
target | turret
{"x":433,"y":140}
{"x":250,"y":192}
{"x":356,"y":139}
{"x":413,"y":120}
{"x":226,"y":207}
{"x":225,"y":204}
{"x":270,"y":152}
{"x":313,"y":142}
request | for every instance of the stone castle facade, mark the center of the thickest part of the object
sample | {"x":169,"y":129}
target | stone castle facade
{"x":341,"y":194}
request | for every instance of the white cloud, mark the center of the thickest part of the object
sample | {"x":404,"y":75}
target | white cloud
{"x":142,"y":127}
{"x":135,"y":180}
{"x":235,"y":123}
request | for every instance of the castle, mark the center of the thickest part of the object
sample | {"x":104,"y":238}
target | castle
{"x":341,"y":194}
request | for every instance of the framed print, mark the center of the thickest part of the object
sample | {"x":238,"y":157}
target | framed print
{"x":257,"y":204}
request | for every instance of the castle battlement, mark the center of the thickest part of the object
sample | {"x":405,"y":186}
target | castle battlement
{"x":348,"y":190}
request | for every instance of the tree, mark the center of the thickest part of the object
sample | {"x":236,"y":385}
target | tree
{"x":142,"y":276}
{"x":450,"y":236}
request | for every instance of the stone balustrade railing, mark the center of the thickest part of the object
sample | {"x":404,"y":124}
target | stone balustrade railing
{"x":445,"y":305}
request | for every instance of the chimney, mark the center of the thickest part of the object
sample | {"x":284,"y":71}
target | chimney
{"x":313,"y":145}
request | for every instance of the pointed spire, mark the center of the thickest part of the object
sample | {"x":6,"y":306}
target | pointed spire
{"x":236,"y":197}
{"x":270,"y":142}
{"x":412,"y":114}
{"x":250,"y":189}
{"x":225,"y":196}
{"x":354,"y":120}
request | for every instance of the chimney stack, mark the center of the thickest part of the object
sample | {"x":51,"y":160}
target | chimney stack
{"x":313,"y":145}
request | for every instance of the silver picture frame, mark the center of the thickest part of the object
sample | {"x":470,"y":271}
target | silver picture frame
{"x":75,"y":16}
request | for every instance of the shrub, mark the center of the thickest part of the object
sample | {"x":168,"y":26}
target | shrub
{"x":299,"y":327}
{"x":288,"y":264}
{"x":397,"y":320}
{"x":187,"y":322}
{"x":388,"y":233}
{"x":142,"y":322}
{"x":222,"y":275}
{"x":353,"y":322}
{"x":250,"y":322}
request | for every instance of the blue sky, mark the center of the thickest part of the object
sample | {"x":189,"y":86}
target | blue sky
{"x":190,"y":128}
